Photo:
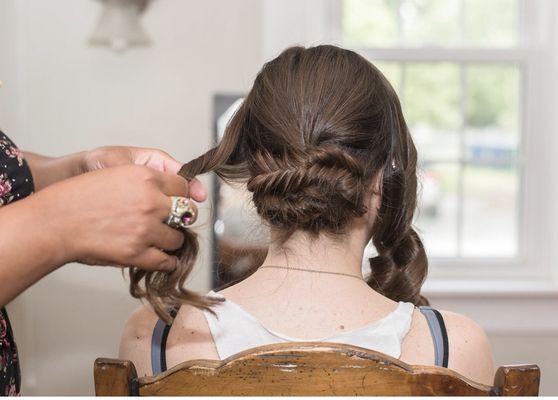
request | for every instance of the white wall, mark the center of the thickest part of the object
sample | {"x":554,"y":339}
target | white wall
{"x":9,"y":95}
{"x":61,"y":96}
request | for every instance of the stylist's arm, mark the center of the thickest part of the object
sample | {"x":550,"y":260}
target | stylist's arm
{"x":105,"y":207}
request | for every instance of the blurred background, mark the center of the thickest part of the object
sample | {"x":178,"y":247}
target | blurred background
{"x":477,"y":82}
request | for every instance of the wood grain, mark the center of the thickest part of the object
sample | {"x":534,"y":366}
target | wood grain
{"x":115,"y":378}
{"x":517,"y":380}
{"x":311,"y":369}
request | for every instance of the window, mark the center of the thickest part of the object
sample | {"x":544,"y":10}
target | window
{"x":458,"y":68}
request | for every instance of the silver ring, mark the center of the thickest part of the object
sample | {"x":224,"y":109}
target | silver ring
{"x":183,"y":213}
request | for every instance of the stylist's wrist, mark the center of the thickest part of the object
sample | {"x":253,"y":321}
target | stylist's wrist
{"x":49,"y":170}
{"x":79,"y":163}
{"x":68,"y":166}
{"x":44,"y":222}
{"x":115,"y":156}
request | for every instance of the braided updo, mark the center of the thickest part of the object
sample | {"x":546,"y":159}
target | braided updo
{"x":318,"y":128}
{"x":321,"y":190}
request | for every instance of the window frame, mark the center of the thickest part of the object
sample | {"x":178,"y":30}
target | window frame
{"x":517,"y":56}
{"x":313,"y":22}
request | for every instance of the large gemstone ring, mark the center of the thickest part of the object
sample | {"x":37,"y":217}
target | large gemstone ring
{"x":183,"y":213}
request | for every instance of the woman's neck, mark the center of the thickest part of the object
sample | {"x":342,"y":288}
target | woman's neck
{"x":306,"y":290}
{"x":295,"y":291}
{"x":325,"y":253}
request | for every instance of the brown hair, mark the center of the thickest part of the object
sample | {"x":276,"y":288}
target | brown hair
{"x":318,"y":127}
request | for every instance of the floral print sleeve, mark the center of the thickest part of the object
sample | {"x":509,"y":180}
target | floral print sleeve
{"x":10,"y":377}
{"x":16,"y":183}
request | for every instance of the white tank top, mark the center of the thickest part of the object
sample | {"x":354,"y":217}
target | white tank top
{"x":235,"y":330}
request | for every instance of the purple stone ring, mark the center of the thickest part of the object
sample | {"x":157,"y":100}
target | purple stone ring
{"x":183,"y":213}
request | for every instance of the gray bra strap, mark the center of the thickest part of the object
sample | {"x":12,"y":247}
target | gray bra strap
{"x":439,"y":335}
{"x":159,"y":343}
{"x":158,"y":347}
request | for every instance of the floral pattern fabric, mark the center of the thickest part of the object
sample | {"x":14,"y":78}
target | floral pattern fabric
{"x":16,"y":183}
{"x":10,"y":377}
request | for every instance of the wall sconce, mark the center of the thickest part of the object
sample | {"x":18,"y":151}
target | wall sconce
{"x":119,"y":26}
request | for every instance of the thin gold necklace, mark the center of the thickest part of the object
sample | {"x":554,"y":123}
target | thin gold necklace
{"x":312,"y":270}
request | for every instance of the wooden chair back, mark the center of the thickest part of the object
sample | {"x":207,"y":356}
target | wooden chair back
{"x":307,"y":369}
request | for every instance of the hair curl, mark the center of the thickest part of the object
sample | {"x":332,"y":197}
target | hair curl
{"x":316,"y":130}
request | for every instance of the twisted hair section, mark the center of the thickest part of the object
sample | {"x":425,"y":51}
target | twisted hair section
{"x":321,"y":190}
{"x":319,"y":128}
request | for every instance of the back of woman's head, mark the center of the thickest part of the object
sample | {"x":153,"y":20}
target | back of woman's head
{"x":319,"y":129}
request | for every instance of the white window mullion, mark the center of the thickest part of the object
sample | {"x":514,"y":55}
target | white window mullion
{"x":399,"y":23}
{"x":462,"y":161}
{"x":462,"y":19}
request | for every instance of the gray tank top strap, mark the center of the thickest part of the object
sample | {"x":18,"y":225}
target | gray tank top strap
{"x":159,"y":345}
{"x":439,"y":335}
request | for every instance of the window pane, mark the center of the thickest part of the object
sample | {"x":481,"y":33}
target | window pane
{"x":448,"y":23}
{"x":370,"y":22}
{"x":492,"y":116}
{"x":491,"y":176}
{"x":431,"y":104}
{"x":430,"y":22}
{"x":491,"y":23}
{"x":438,"y":201}
{"x":490,"y":211}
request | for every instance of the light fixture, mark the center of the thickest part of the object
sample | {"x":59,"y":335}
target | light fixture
{"x":119,"y":26}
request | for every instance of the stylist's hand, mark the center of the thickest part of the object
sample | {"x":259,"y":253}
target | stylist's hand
{"x":115,"y":216}
{"x":49,"y":170}
{"x":114,"y":156}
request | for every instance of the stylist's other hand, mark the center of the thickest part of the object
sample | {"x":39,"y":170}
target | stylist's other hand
{"x":115,"y":216}
{"x":114,"y":156}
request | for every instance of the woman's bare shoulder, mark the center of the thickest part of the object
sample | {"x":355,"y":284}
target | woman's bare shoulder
{"x":135,"y":344}
{"x":189,"y":338}
{"x":470,"y":352}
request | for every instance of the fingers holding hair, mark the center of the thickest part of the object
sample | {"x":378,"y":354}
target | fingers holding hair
{"x":154,"y":259}
{"x":167,"y":238}
{"x":175,"y":185}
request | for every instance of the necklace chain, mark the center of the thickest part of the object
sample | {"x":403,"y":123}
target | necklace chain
{"x":312,"y":270}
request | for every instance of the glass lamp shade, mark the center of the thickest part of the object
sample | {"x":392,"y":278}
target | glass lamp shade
{"x":119,"y":26}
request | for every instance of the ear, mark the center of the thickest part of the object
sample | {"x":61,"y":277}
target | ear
{"x":376,"y":189}
{"x":375,"y":197}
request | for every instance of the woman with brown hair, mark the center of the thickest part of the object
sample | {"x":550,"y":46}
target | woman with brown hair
{"x":323,"y":147}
